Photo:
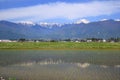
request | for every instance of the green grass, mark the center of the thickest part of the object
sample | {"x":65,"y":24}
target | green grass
{"x":11,"y":79}
{"x":59,"y":45}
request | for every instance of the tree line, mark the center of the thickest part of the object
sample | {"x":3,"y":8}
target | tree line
{"x":71,"y":40}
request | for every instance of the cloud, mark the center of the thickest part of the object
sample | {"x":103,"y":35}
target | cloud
{"x":61,"y":10}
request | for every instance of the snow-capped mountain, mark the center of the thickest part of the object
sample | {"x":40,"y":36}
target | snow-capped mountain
{"x":49,"y":25}
{"x":103,"y":19}
{"x":85,"y":21}
{"x":117,"y":19}
{"x":42,"y":24}
{"x":29,"y":23}
{"x":99,"y":29}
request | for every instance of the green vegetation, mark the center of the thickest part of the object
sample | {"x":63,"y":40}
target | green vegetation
{"x":59,"y":45}
{"x":11,"y":79}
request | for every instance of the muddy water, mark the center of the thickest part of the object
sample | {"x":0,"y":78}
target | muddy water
{"x":60,"y":64}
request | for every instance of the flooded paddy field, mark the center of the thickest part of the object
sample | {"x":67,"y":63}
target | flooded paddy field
{"x":60,"y":64}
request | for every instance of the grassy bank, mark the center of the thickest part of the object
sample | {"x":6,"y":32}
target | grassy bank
{"x":58,"y":45}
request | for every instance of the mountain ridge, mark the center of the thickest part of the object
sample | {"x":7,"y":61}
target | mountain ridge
{"x":100,"y":29}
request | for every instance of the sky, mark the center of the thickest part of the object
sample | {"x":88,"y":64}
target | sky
{"x":58,"y":11}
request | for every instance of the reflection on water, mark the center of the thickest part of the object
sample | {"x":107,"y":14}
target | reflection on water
{"x":84,"y":65}
{"x":51,"y":62}
{"x":104,"y":66}
{"x":60,"y":65}
{"x":118,"y":66}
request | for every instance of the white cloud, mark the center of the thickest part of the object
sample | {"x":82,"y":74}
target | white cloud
{"x":62,"y":10}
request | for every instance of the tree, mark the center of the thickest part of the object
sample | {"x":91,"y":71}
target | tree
{"x":22,"y":40}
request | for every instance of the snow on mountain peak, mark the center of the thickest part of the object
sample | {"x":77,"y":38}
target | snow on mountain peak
{"x":45,"y":24}
{"x":104,"y":20}
{"x":117,"y":19}
{"x":82,"y":21}
{"x":26,"y":23}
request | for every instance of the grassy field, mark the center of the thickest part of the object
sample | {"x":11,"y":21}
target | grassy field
{"x":59,"y":45}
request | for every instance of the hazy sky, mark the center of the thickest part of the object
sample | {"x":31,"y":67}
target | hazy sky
{"x":60,"y":11}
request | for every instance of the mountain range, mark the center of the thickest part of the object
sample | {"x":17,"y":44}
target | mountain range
{"x":28,"y":30}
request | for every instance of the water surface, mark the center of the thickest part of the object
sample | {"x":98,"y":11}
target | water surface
{"x":60,"y":64}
